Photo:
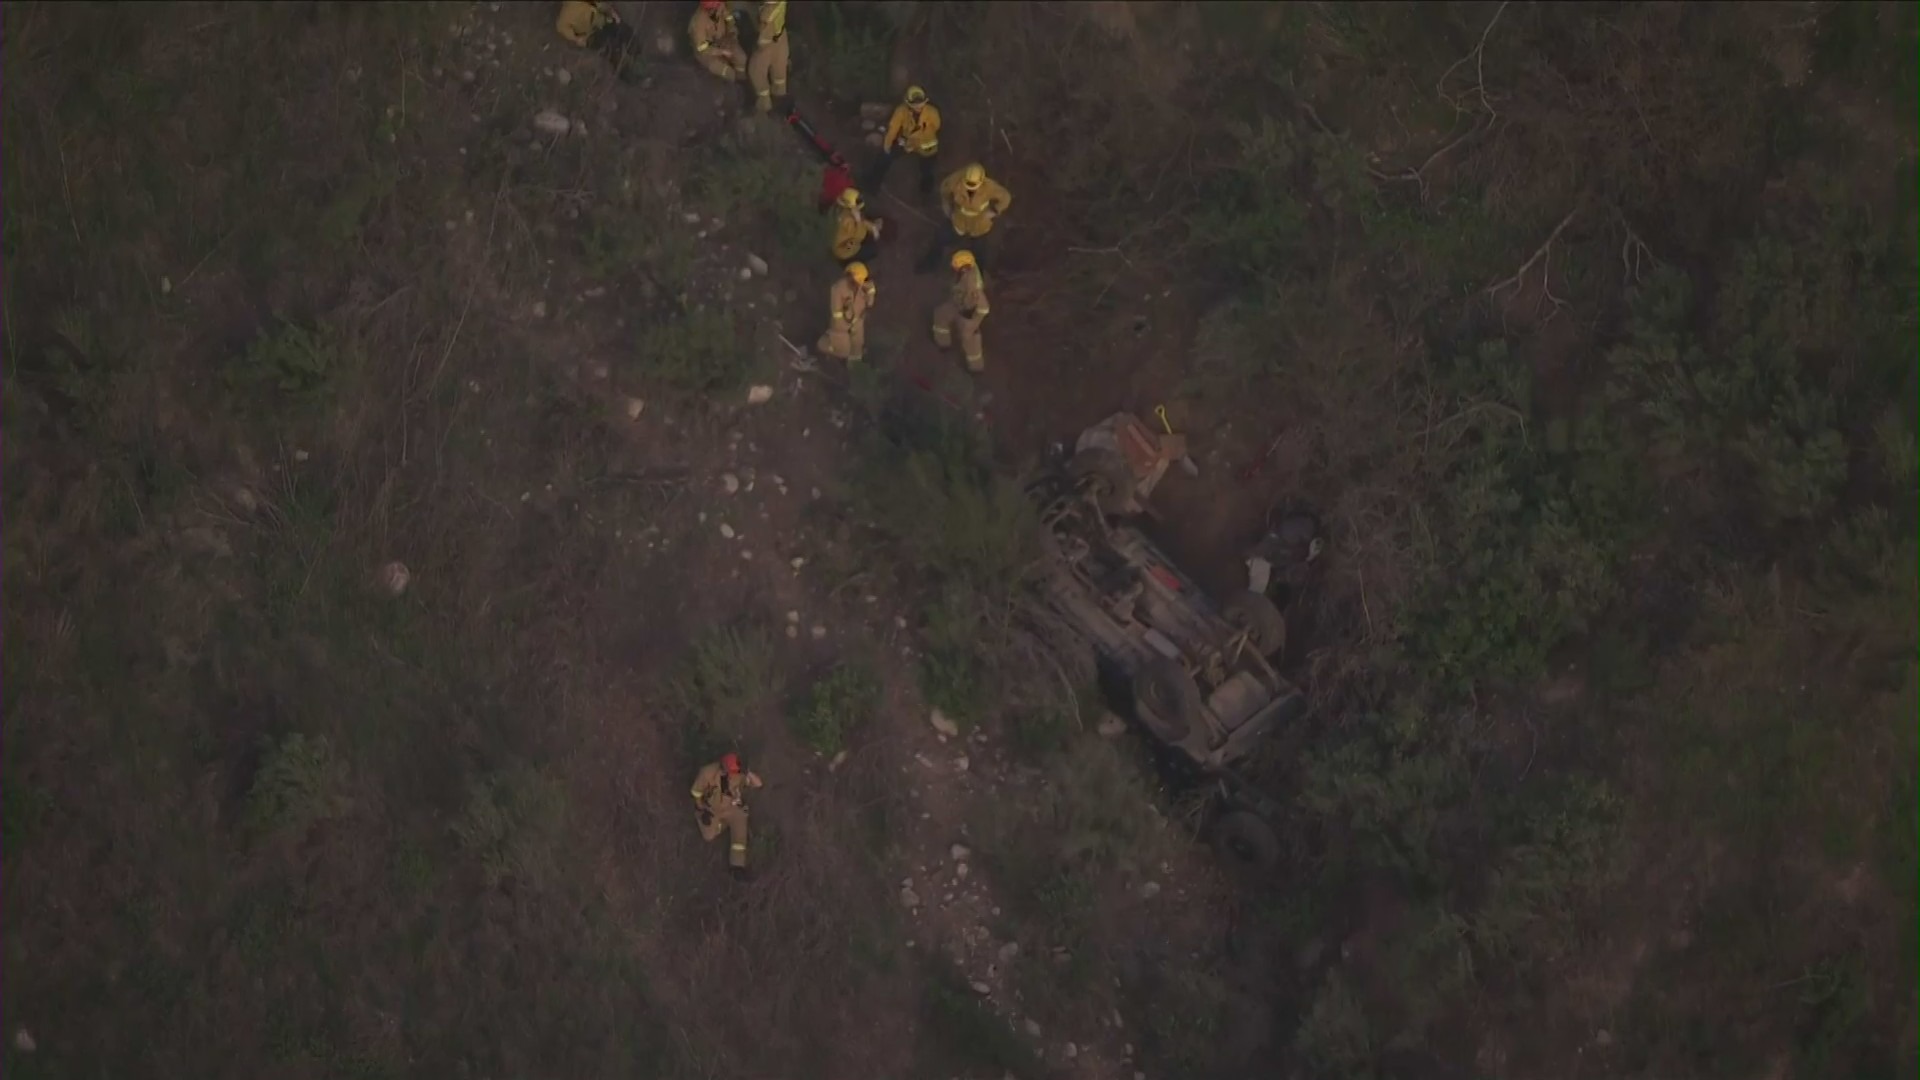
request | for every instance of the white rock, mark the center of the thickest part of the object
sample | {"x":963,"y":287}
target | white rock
{"x":1033,"y":1028}
{"x":1007,"y":952}
{"x":960,"y":852}
{"x":602,"y":371}
{"x":562,"y":76}
{"x":726,"y":530}
{"x":908,"y":898}
{"x":943,"y":725}
{"x":961,"y":764}
{"x":962,"y":871}
{"x":394,"y":577}
{"x":981,"y":988}
{"x":839,"y":759}
{"x":663,"y":44}
{"x":1111,"y":726}
{"x":756,"y":264}
{"x":23,"y":1040}
{"x":1150,"y":890}
{"x":793,"y":616}
{"x":690,"y":218}
{"x":1070,"y":1051}
{"x":759,"y":394}
{"x":729,"y":482}
{"x":549,"y":122}
{"x":635,"y":407}
{"x":539,"y":309}
{"x":797,"y":562}
{"x":818,"y":633}
{"x":746,"y":273}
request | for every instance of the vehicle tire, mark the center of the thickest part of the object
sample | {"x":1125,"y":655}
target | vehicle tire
{"x":1265,"y":626}
{"x":1167,"y":699}
{"x":1246,"y":842}
{"x":1105,"y":474}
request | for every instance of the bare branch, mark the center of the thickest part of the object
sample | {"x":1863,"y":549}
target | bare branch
{"x":1539,"y":254}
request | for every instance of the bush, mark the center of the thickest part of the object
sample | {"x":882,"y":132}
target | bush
{"x":1562,"y":851}
{"x":697,"y":352}
{"x":292,"y":359}
{"x":514,"y":825}
{"x":929,"y":487}
{"x":757,"y":174}
{"x":300,"y":784}
{"x":835,"y":707}
{"x":727,"y":673}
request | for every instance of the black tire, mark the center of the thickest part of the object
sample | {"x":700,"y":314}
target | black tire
{"x":1104,"y":474}
{"x":1166,"y":699}
{"x":1265,"y":626}
{"x":1246,"y":842}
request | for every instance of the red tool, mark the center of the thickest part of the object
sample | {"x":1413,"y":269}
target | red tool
{"x":838,"y":176}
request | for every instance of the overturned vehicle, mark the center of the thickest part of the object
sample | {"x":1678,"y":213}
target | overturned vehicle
{"x":1198,"y":675}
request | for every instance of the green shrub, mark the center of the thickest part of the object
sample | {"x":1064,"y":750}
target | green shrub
{"x":929,"y":487}
{"x":1562,"y":851}
{"x":293,"y":359}
{"x":1249,"y":223}
{"x":697,"y":352}
{"x":727,"y":673}
{"x":835,"y":707}
{"x":300,"y":783}
{"x":514,"y":824}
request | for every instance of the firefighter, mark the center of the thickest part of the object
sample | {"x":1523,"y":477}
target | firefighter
{"x":591,"y":24}
{"x":848,"y":304}
{"x":971,"y":202}
{"x":720,"y":805}
{"x":854,"y":233}
{"x":716,"y":41}
{"x":768,"y":67}
{"x":915,"y":130}
{"x":965,"y":309}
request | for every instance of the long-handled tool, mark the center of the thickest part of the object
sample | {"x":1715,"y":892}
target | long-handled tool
{"x":1187,"y":464}
{"x":839,"y":173}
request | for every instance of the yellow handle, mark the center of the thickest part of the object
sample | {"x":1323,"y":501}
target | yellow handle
{"x":1161,"y":412}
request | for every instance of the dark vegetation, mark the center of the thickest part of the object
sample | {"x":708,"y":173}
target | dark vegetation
{"x":1594,"y":326}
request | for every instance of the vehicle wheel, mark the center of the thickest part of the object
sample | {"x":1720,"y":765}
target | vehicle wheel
{"x":1265,"y":626}
{"x":1167,"y":699}
{"x":1246,"y":841}
{"x":1105,"y":474}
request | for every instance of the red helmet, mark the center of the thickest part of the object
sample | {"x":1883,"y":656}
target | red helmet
{"x":711,"y":5}
{"x":730,"y":763}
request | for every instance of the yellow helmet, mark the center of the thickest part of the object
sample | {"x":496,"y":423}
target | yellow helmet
{"x":916,"y":97}
{"x":858,"y":272}
{"x":973,"y":176}
{"x":962,"y":260}
{"x":850,"y":198}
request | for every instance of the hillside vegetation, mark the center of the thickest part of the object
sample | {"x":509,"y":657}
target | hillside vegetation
{"x":1588,"y":330}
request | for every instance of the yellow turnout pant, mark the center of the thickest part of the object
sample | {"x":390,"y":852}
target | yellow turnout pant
{"x":768,"y":71}
{"x":845,"y":342}
{"x":731,"y":820}
{"x":946,"y":320}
